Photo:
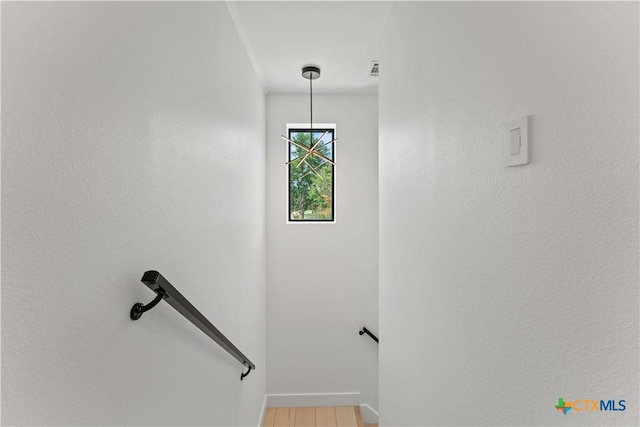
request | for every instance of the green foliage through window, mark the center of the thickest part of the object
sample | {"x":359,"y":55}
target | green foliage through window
{"x":311,"y":175}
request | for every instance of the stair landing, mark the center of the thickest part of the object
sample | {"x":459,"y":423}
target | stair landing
{"x":322,"y":416}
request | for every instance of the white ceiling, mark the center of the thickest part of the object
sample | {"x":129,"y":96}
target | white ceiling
{"x":341,"y":37}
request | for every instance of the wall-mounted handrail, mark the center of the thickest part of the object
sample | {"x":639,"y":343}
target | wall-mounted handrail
{"x":368,"y":332}
{"x":157,"y":283}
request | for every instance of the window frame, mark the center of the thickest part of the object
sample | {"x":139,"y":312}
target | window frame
{"x":304,"y":127}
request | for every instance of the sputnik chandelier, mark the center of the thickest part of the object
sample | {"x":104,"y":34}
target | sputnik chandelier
{"x":311,"y":73}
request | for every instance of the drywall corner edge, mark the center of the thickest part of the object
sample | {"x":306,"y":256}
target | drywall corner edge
{"x":369,"y":415}
{"x":262,"y":411}
{"x":235,"y":17}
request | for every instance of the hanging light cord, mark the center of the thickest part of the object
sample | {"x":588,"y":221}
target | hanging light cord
{"x":311,"y":104}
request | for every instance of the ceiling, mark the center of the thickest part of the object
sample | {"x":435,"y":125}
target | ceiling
{"x":341,"y":37}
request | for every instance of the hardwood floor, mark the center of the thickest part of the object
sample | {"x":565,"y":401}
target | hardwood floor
{"x":324,"y":416}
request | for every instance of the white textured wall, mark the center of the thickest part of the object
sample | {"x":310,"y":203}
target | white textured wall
{"x":132,"y":139}
{"x":322,"y":279}
{"x":503,"y":289}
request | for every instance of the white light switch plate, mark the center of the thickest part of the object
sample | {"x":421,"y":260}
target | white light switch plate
{"x":517,"y":142}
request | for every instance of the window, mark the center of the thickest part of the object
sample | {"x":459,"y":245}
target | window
{"x":311,"y":174}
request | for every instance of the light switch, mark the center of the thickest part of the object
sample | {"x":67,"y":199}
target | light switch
{"x":514,"y":142}
{"x":517,"y":149}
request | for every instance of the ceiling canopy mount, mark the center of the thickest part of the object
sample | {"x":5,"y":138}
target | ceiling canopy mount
{"x":311,"y":72}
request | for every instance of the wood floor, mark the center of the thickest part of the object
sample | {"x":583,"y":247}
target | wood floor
{"x":323,"y":416}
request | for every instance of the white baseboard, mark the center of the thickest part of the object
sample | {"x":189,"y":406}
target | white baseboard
{"x":312,"y":399}
{"x":369,"y":415}
{"x":262,"y":412}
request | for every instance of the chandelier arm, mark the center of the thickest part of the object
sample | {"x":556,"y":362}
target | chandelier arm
{"x":327,"y":143}
{"x":311,"y":151}
{"x":319,"y":139}
{"x":291,"y":141}
{"x":312,"y":170}
{"x":291,"y":161}
{"x":315,"y":171}
{"x":315,"y":153}
{"x":304,"y":159}
{"x":305,"y":174}
{"x":296,"y":143}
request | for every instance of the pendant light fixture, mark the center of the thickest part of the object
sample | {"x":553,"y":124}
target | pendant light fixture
{"x":310,"y":73}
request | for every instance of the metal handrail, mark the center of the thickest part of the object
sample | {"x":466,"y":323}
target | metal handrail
{"x":157,"y":283}
{"x":368,"y":332}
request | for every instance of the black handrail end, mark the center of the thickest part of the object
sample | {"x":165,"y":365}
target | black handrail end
{"x":244,"y":374}
{"x":150,"y":277}
{"x":368,"y":332}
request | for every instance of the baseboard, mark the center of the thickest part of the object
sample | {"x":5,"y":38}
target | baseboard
{"x":262,"y":411}
{"x":369,"y":415}
{"x":312,"y":399}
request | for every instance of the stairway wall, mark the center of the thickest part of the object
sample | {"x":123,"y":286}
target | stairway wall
{"x":322,"y":279}
{"x":132,"y":139}
{"x":502,"y":288}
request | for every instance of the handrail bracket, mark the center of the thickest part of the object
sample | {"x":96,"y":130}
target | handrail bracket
{"x":244,"y":374}
{"x":138,"y":308}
